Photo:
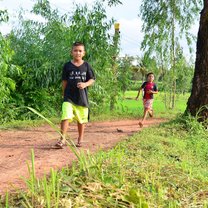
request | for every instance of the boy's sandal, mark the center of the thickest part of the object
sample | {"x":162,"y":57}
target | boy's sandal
{"x":79,"y":145}
{"x":60,"y":144}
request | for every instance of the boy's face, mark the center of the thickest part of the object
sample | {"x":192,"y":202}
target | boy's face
{"x":78,"y":52}
{"x":150,"y":78}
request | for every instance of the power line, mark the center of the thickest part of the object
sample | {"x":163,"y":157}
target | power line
{"x":130,"y":38}
{"x":127,"y":38}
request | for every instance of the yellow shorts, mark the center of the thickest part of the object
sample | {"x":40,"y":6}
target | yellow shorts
{"x":73,"y":112}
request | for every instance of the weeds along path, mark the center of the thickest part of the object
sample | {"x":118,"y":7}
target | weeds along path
{"x":16,"y":145}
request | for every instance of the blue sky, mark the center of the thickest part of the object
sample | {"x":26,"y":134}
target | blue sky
{"x":126,"y":14}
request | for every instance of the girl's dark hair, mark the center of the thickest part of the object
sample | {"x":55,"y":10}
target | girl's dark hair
{"x":150,"y":74}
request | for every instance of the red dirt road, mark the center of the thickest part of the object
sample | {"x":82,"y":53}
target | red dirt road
{"x":16,"y":145}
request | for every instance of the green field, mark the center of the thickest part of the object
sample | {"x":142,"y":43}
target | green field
{"x":126,"y":107}
{"x":133,"y":107}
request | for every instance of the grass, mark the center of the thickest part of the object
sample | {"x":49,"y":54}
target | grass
{"x":158,"y":167}
{"x":125,"y":108}
{"x":22,"y":124}
{"x":133,"y":107}
{"x":129,"y":108}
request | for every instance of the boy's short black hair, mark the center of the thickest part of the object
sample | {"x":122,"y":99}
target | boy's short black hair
{"x":77,"y":44}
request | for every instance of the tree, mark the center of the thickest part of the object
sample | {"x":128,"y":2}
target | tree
{"x":8,"y":71}
{"x":112,"y":2}
{"x":164,"y":23}
{"x":149,"y":64}
{"x":4,"y":17}
{"x":125,"y":73}
{"x":198,"y":101}
{"x":42,"y":47}
{"x":114,"y":58}
{"x":91,"y":27}
{"x":185,"y":71}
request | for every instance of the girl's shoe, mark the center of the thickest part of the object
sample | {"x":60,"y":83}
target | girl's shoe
{"x":140,"y":124}
{"x":151,"y":114}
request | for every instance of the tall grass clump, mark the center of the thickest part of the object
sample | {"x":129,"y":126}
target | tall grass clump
{"x":43,"y":192}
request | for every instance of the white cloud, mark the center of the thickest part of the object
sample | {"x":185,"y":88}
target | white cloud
{"x":131,"y":36}
{"x":126,"y":14}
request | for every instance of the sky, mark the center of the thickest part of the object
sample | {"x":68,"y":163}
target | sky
{"x":126,"y":14}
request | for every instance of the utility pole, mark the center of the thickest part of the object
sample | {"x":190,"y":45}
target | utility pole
{"x":114,"y":66}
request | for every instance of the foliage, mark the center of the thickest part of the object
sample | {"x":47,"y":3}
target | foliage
{"x":198,"y":100}
{"x":41,"y":48}
{"x":165,"y":23}
{"x":149,"y":64}
{"x":91,"y":27}
{"x":163,"y":78}
{"x":129,"y":106}
{"x":184,"y":75}
{"x":6,"y":83}
{"x":113,"y":2}
{"x":158,"y":17}
{"x":8,"y":71}
{"x":4,"y":17}
{"x":125,"y":73}
{"x":33,"y":54}
{"x":150,"y":169}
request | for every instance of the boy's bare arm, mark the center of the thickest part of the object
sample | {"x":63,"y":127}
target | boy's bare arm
{"x":82,"y":85}
{"x":64,"y":83}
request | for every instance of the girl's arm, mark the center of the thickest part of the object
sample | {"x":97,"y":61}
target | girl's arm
{"x":138,"y":93}
{"x":152,"y":92}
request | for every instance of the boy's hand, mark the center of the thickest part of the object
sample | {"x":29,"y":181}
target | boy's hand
{"x":81,"y":85}
{"x":136,"y":98}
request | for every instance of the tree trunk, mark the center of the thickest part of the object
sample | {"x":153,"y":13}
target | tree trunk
{"x":198,"y":101}
{"x":172,"y":98}
{"x":114,"y":93}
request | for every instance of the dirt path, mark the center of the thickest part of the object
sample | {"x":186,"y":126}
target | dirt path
{"x":16,"y":145}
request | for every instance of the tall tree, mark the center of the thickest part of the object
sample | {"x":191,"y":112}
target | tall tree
{"x":164,"y":23}
{"x":43,"y":47}
{"x":92,"y":27}
{"x":125,"y":73}
{"x":7,"y":73}
{"x":198,"y":101}
{"x":112,"y":2}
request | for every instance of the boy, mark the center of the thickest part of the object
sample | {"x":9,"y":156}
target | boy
{"x":149,"y":88}
{"x":76,"y":77}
